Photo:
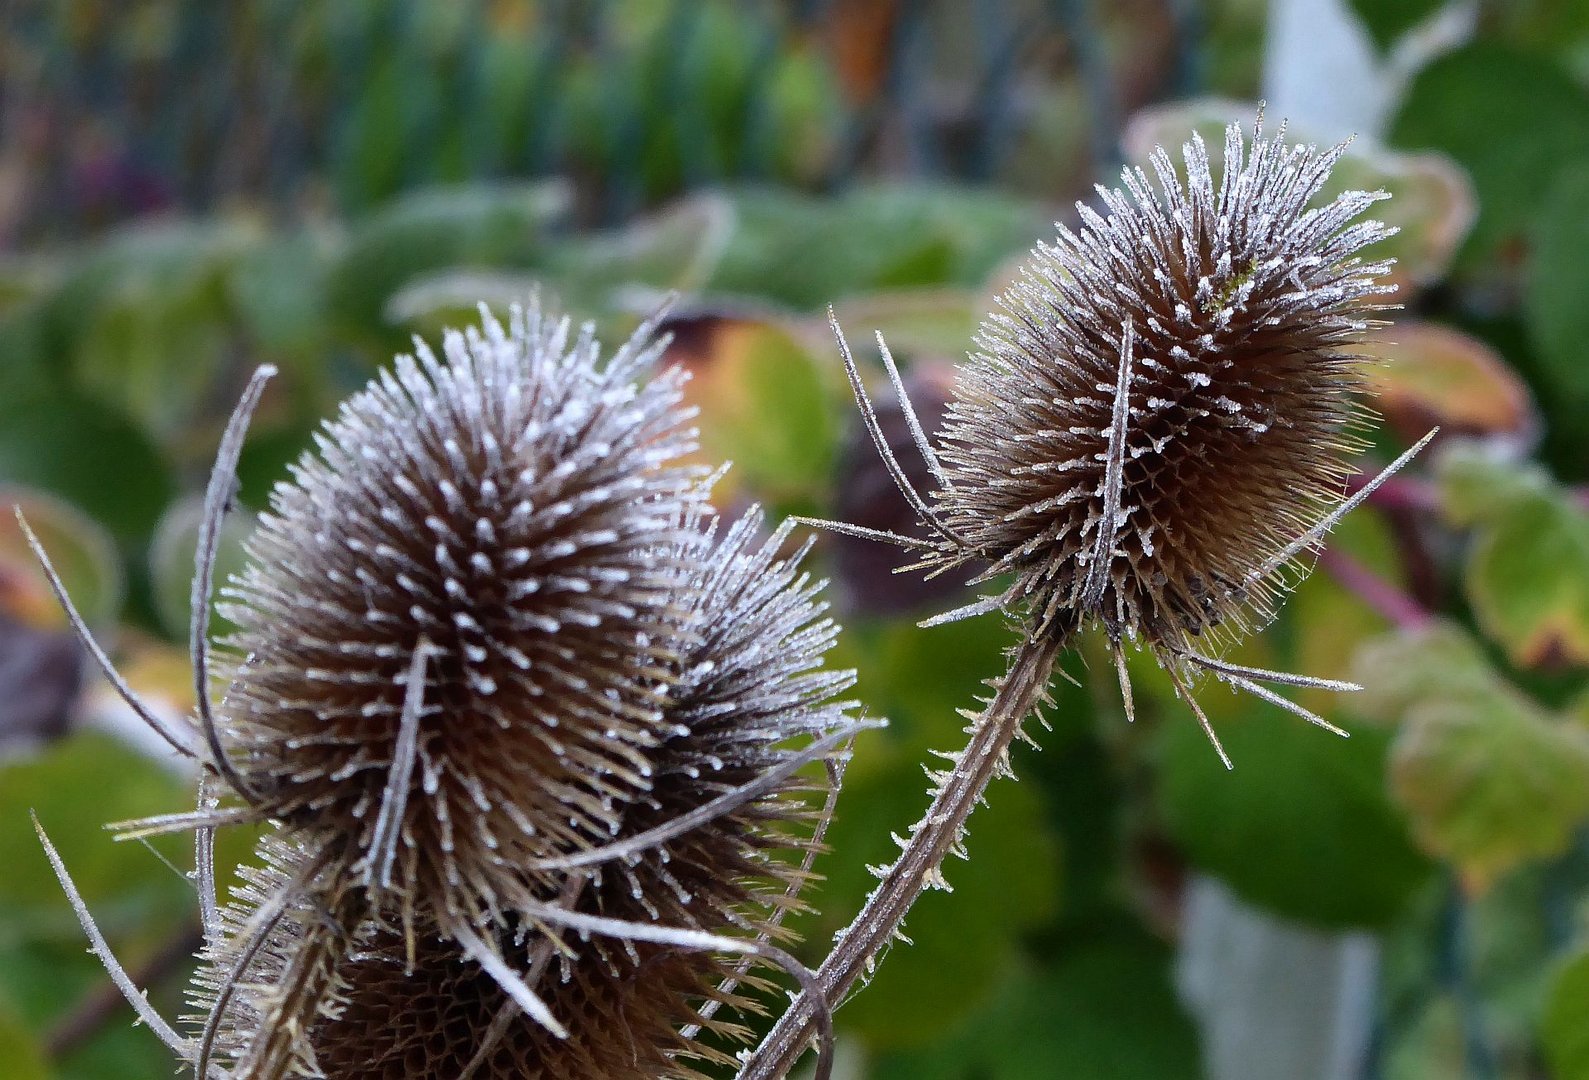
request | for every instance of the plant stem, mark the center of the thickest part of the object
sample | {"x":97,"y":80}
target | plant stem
{"x":931,"y":840}
{"x":1381,"y":595}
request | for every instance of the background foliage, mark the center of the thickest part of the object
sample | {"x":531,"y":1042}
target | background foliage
{"x":188,"y":190}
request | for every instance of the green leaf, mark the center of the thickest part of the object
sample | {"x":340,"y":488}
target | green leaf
{"x":1558,"y":280}
{"x":277,"y":289}
{"x":1564,"y":1031}
{"x":89,"y":455}
{"x":478,"y":226}
{"x":1398,"y":671}
{"x":1387,"y":20}
{"x":1489,"y":782}
{"x":79,"y":549}
{"x":1302,"y":826}
{"x":20,"y":1050}
{"x":1478,"y":486}
{"x":1527,"y":576}
{"x":171,"y":555}
{"x":1104,"y":1010}
{"x":1438,"y":375}
{"x":76,"y":787}
{"x":1510,"y":120}
{"x":962,"y":939}
{"x":806,"y":253}
{"x":934,"y":322}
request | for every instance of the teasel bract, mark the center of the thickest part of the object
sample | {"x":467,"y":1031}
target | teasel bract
{"x":1154,"y":430}
{"x":496,"y":682}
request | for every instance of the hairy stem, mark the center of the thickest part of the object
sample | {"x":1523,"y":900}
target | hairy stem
{"x":931,"y":840}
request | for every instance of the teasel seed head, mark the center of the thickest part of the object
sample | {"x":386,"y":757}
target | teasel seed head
{"x":624,"y":958}
{"x":1168,"y":396}
{"x":455,"y":617}
{"x":1158,"y":422}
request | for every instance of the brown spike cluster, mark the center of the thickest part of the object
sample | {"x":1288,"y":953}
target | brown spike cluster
{"x":501,"y":524}
{"x":405,"y":1001}
{"x":1155,"y":426}
{"x":1167,"y":397}
{"x":1159,"y":419}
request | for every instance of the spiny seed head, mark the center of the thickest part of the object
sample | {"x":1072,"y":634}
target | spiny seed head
{"x":1168,"y":395}
{"x":505,"y":524}
{"x":748,"y":693}
{"x":350,"y":991}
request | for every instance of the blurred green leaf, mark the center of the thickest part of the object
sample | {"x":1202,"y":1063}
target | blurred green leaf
{"x":807,"y":253}
{"x":1565,"y":1028}
{"x":79,"y":549}
{"x":171,"y":555}
{"x":1439,"y":375}
{"x":89,"y":455}
{"x":1527,"y":568}
{"x":76,"y":787}
{"x":20,"y":1051}
{"x":1105,"y":1010}
{"x":1558,"y":280}
{"x":478,"y":226}
{"x":1302,"y":826}
{"x":150,"y":345}
{"x":963,"y":938}
{"x":932,"y":322}
{"x":1478,"y":486}
{"x":1489,"y":782}
{"x":1399,"y":670}
{"x":277,"y":288}
{"x":1512,"y":121}
{"x":1528,"y":578}
{"x":1387,"y":20}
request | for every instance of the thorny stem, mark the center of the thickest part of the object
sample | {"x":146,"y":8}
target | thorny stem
{"x":931,"y":840}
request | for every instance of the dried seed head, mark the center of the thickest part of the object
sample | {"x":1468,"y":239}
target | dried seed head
{"x":718,"y":842}
{"x":454,"y":616}
{"x":1157,"y":424}
{"x":1167,"y":398}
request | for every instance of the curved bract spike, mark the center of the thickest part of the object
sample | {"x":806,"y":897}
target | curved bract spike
{"x":217,"y":496}
{"x":86,"y":638}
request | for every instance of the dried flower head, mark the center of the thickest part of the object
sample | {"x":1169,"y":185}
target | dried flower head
{"x":532,"y":732}
{"x":1154,"y":428}
{"x":721,"y":842}
{"x":1158,"y":421}
{"x":452,"y":616}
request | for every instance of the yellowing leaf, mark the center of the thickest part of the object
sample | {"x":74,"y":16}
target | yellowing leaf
{"x":1439,"y":375}
{"x":1490,"y":782}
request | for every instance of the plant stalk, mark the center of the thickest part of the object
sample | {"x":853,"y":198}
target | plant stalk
{"x":931,"y":840}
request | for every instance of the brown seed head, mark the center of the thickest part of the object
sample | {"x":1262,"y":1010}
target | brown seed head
{"x":719,"y":842}
{"x":503,"y":524}
{"x":1167,"y":397}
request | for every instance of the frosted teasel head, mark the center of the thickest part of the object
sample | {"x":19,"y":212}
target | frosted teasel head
{"x":451,"y":617}
{"x":627,"y":964}
{"x":1157,"y":423}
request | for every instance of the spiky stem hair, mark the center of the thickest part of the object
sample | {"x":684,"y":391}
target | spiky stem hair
{"x":1154,"y":428}
{"x":508,"y":696}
